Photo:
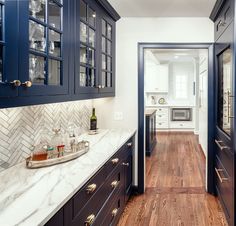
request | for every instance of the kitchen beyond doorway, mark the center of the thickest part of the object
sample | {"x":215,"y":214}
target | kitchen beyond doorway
{"x":178,"y":87}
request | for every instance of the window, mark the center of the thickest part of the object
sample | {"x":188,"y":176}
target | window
{"x":181,"y":87}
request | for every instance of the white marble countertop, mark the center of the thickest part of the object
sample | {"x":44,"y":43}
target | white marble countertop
{"x":30,"y":197}
{"x":170,"y":105}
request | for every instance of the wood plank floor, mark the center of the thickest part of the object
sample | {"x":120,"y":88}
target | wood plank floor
{"x":175,"y":187}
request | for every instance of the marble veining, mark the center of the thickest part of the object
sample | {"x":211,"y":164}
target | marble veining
{"x":30,"y":197}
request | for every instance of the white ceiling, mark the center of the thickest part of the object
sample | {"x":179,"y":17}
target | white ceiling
{"x":165,"y":56}
{"x":163,"y":8}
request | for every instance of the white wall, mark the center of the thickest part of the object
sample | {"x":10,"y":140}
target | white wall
{"x":130,"y":31}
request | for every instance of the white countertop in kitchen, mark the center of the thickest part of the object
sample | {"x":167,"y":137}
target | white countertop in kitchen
{"x":30,"y":197}
{"x":171,"y":105}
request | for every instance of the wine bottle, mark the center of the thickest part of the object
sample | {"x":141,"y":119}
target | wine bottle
{"x":93,"y":121}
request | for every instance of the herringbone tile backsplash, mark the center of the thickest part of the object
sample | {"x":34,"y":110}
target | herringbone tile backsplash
{"x":22,"y":128}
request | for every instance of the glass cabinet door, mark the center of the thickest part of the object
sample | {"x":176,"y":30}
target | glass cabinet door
{"x":225,"y":94}
{"x":107,"y":56}
{"x":86,"y":48}
{"x":9,"y":82}
{"x":45,"y":51}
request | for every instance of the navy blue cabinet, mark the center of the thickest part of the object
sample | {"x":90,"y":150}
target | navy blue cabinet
{"x":54,"y":50}
{"x":44,"y":45}
{"x":223,"y":15}
{"x":8,"y":49}
{"x":94,"y":49}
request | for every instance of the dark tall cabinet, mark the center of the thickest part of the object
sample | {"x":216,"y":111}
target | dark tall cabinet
{"x":223,"y":17}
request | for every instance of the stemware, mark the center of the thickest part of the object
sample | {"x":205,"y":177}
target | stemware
{"x":35,"y":7}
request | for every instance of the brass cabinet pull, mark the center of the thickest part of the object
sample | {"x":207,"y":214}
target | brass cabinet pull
{"x":16,"y":83}
{"x":90,"y":219}
{"x":114,"y":183}
{"x":27,"y":84}
{"x":222,"y":179}
{"x":125,"y":164}
{"x":115,"y":161}
{"x":91,"y":188}
{"x":114,"y":212}
{"x":221,"y":147}
{"x":129,"y":144}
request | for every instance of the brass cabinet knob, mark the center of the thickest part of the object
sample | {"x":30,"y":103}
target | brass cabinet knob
{"x":115,"y":161}
{"x":16,"y":83}
{"x":129,"y":144}
{"x":90,"y":219}
{"x":91,"y":188}
{"x":114,"y":183}
{"x":125,"y":164}
{"x":27,"y":84}
{"x":114,"y":212}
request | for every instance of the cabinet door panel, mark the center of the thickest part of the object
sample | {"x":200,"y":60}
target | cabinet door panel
{"x":107,"y":54}
{"x":43,"y":60}
{"x":8,"y":48}
{"x":86,"y":47}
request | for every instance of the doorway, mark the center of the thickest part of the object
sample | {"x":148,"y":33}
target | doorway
{"x":149,"y":94}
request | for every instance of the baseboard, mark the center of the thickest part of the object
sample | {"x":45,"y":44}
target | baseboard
{"x":202,"y":152}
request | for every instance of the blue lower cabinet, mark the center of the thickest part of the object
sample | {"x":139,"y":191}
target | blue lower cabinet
{"x":102,"y":199}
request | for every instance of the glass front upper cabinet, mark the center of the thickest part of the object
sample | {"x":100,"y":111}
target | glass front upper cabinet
{"x":86,"y":39}
{"x":107,"y":66}
{"x":8,"y":70}
{"x":46,"y":28}
{"x":225,"y":98}
{"x":2,"y":41}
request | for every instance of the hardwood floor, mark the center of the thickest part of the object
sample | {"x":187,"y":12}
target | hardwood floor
{"x":175,"y":187}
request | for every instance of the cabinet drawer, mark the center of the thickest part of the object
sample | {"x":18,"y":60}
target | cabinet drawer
{"x":88,"y":191}
{"x":226,"y":156}
{"x":162,"y":110}
{"x":115,"y":210}
{"x":162,"y":125}
{"x":116,"y":159}
{"x":224,"y":188}
{"x":162,"y":117}
{"x":181,"y":125}
{"x":224,"y":19}
{"x":95,"y":204}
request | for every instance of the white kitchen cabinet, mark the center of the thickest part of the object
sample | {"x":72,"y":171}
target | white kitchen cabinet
{"x":162,"y":118}
{"x":181,"y":125}
{"x":156,"y":77}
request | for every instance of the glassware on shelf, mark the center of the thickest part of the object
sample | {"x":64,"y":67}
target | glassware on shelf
{"x":37,"y":36}
{"x":83,"y":32}
{"x":52,"y":47}
{"x":37,"y":8}
{"x":54,"y":71}
{"x":36,"y":69}
{"x":54,"y":14}
{"x":82,"y":76}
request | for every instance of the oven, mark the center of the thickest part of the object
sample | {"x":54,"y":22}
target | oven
{"x":181,"y":114}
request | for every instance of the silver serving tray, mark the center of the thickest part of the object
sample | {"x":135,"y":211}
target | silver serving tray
{"x":65,"y":158}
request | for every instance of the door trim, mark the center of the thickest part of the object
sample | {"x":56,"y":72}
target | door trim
{"x":211,"y":107}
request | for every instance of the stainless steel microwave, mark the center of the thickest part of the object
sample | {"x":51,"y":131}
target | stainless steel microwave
{"x":181,"y":114}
